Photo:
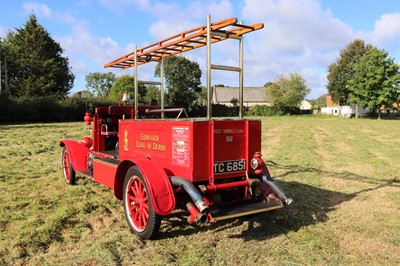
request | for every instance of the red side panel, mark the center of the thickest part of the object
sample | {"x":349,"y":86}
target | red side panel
{"x":159,"y":185}
{"x":254,"y":137}
{"x":198,"y":150}
{"x":104,"y":173}
{"x":77,"y":154}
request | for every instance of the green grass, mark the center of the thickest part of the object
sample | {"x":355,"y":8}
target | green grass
{"x":342,"y":173}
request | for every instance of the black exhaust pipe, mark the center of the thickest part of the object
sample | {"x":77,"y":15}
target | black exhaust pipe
{"x":192,"y":191}
{"x":280,"y":192}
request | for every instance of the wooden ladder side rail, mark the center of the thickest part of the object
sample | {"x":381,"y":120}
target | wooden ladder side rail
{"x":185,"y":41}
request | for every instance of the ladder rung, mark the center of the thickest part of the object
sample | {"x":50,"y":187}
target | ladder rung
{"x":149,"y":82}
{"x":219,"y":33}
{"x":229,"y":68}
{"x":224,"y":34}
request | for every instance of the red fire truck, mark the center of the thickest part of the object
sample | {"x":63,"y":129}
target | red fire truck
{"x":152,"y":162}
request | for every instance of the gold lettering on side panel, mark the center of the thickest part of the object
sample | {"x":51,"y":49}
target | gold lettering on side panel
{"x":126,"y":141}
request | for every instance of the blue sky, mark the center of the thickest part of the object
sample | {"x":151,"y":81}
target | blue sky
{"x":302,"y":36}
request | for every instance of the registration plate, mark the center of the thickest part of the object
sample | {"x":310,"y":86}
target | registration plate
{"x":229,"y":166}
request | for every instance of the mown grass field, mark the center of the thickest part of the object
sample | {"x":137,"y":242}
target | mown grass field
{"x":344,"y":176}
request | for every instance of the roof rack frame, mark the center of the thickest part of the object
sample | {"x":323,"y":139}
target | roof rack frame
{"x":186,"y":41}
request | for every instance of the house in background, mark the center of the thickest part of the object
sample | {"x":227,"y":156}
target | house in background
{"x":251,"y":96}
{"x":333,"y":108}
{"x":305,"y":105}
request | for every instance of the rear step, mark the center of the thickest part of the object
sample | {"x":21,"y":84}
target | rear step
{"x":237,"y":209}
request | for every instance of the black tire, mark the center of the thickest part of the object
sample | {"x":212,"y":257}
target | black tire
{"x":68,"y":170}
{"x":139,"y":212}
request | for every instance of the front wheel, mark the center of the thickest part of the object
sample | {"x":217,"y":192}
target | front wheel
{"x":68,"y":170}
{"x":139,"y":212}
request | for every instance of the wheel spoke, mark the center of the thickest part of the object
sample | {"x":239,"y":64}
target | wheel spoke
{"x":131,"y":197}
{"x":140,"y":189}
{"x":136,"y":188}
{"x":143,"y":219}
{"x":66,"y":166}
{"x":146,"y":211}
{"x":133,"y":209}
{"x":138,"y":207}
{"x":135,"y":215}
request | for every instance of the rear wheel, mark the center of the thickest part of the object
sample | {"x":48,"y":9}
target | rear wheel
{"x":139,"y":212}
{"x":68,"y":170}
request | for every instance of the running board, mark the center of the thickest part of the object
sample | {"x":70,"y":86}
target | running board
{"x":242,"y":208}
{"x":85,"y":173}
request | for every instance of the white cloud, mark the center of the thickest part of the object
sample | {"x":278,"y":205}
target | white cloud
{"x":217,"y":9}
{"x":298,"y":35}
{"x":386,"y":34}
{"x":86,"y":52}
{"x":97,"y":49}
{"x":44,"y":11}
{"x":152,"y":7}
{"x":387,"y":28}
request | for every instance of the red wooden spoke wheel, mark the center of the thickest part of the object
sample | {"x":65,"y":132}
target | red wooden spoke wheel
{"x":139,"y":212}
{"x":68,"y":171}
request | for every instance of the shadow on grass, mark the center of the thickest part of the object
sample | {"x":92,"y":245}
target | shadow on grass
{"x":345,"y":175}
{"x":311,"y":206}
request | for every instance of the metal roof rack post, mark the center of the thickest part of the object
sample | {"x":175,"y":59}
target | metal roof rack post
{"x":162,"y":86}
{"x":241,"y":76}
{"x":136,"y":83}
{"x":209,"y":105}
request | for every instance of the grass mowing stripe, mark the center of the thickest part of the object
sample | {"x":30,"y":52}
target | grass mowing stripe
{"x":342,"y":173}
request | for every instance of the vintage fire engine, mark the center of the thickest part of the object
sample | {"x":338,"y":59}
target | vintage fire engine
{"x":151,"y":162}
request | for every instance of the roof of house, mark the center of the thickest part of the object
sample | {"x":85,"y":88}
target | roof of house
{"x":250,"y":94}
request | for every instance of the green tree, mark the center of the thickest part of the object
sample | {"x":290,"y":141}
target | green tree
{"x":234,"y":101}
{"x":267,"y":84}
{"x":35,"y":63}
{"x":152,"y":94}
{"x":376,"y":81}
{"x":319,"y":102}
{"x":287,"y":92}
{"x":100,"y":83}
{"x":126,"y":84}
{"x":83,"y":94}
{"x":341,"y":71}
{"x":182,"y":78}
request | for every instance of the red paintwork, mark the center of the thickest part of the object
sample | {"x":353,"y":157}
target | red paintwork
{"x":77,"y":154}
{"x":225,"y":186}
{"x":187,"y":148}
{"x":262,"y":168}
{"x":104,"y":173}
{"x":87,"y":142}
{"x":138,"y":201}
{"x":107,"y":118}
{"x":66,"y":166}
{"x":159,"y":186}
{"x":87,"y":118}
{"x":195,"y":216}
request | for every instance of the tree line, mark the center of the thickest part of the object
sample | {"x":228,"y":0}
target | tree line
{"x":366,"y":76}
{"x":33,"y":65}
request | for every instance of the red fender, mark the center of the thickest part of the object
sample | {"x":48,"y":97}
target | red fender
{"x":159,"y":186}
{"x":77,"y":154}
